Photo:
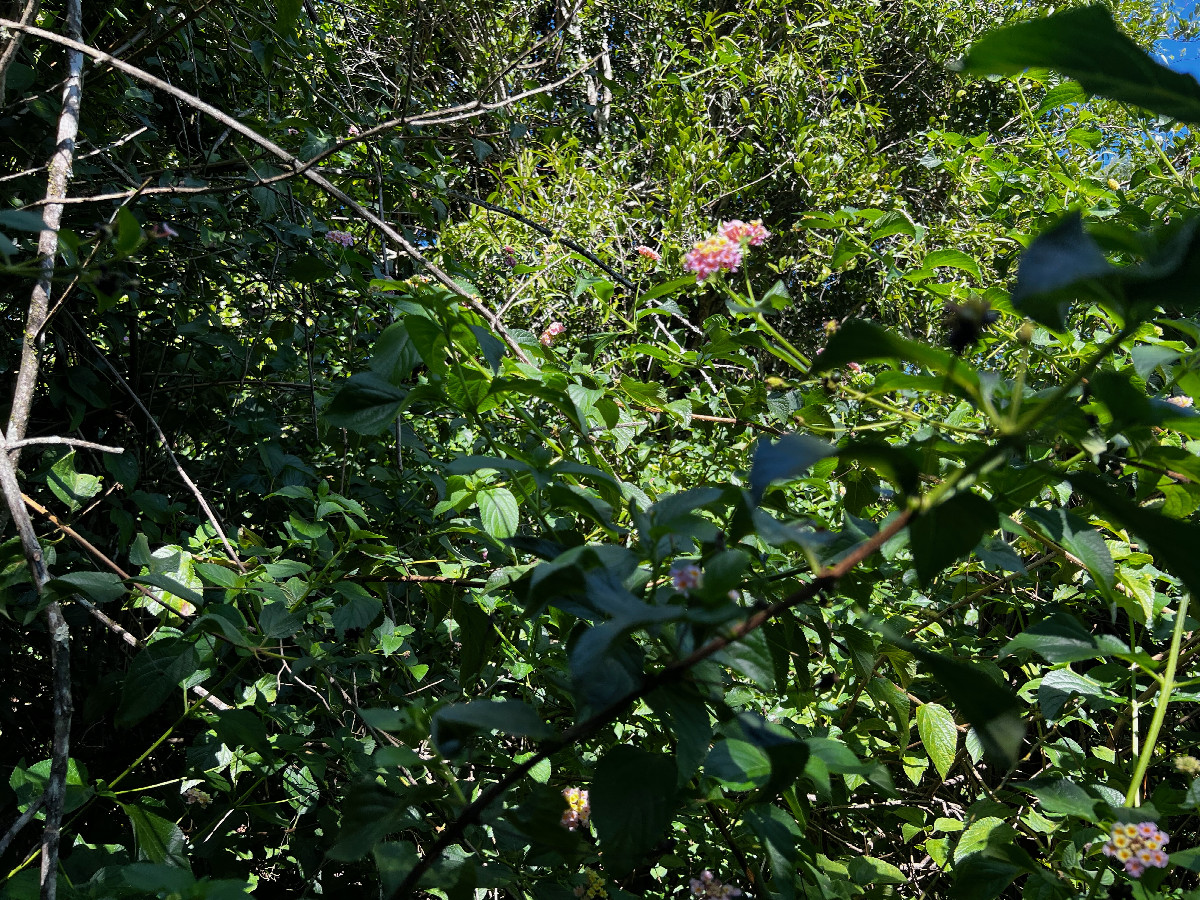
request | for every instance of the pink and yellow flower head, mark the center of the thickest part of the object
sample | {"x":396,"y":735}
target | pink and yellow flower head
{"x":725,"y":250}
{"x":686,"y":577}
{"x":579,"y":810}
{"x":709,"y":886}
{"x":753,"y":233}
{"x":647,"y":253}
{"x":716,"y":253}
{"x":1137,"y":846}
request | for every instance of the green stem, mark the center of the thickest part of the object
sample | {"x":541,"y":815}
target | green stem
{"x":1160,"y":709}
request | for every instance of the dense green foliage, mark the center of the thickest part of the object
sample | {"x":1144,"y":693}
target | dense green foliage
{"x":445,"y":491}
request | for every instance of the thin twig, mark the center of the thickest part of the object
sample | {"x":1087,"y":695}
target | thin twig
{"x":73,"y":442}
{"x":24,"y":820}
{"x":301,"y":167}
{"x":212,"y":516}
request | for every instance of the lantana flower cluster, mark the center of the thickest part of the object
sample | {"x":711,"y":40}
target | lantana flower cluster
{"x":594,"y":887}
{"x":708,"y":885}
{"x":648,"y":253}
{"x":686,"y":577}
{"x":1137,"y":847}
{"x":553,"y":330}
{"x":344,"y":238}
{"x":579,"y":810}
{"x":724,"y":250}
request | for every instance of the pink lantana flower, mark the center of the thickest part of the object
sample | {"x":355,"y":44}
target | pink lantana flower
{"x":709,"y":886}
{"x":714,"y":254}
{"x":579,"y":809}
{"x":1137,"y":847}
{"x":647,"y":253}
{"x":686,"y":577}
{"x":344,"y":238}
{"x":753,"y":233}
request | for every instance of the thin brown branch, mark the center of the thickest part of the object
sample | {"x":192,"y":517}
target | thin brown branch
{"x":676,"y":671}
{"x":25,"y":818}
{"x":212,"y":516}
{"x":71,"y":442}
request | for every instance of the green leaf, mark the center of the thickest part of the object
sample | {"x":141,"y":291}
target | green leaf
{"x":308,"y":269}
{"x":990,"y":708}
{"x":1053,"y":270}
{"x":939,"y":735}
{"x":99,"y":587}
{"x":786,"y":458}
{"x":862,"y":341}
{"x":1061,"y":639}
{"x":394,"y":355}
{"x":751,"y":657}
{"x":129,"y":231}
{"x":1062,"y":796}
{"x":156,"y":839}
{"x":498,"y":512}
{"x":954,"y":259}
{"x":1080,"y":540}
{"x":287,"y":13}
{"x":1085,"y":44}
{"x":359,"y":610}
{"x":949,"y":531}
{"x":276,"y":622}
{"x":1061,"y":95}
{"x":22,"y":220}
{"x":71,"y":487}
{"x":454,"y":725}
{"x":633,"y":802}
{"x":30,"y":783}
{"x":154,"y":675}
{"x":869,"y":870}
{"x":1172,"y":541}
{"x":369,"y":813}
{"x":367,"y":403}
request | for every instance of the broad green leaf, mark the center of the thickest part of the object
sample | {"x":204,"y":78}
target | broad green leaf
{"x":287,"y":13}
{"x":953,"y":259}
{"x":368,"y":814}
{"x":1054,"y":269}
{"x":30,"y":783}
{"x":993,"y":711}
{"x":454,"y":725}
{"x":153,"y":676}
{"x":71,"y":487}
{"x":366,"y":403}
{"x":1062,"y":796}
{"x":394,"y":355}
{"x":949,"y":531}
{"x":358,"y":612}
{"x":1085,"y":44}
{"x":633,"y":801}
{"x":1080,"y":540}
{"x":1061,"y":95}
{"x":1172,"y":541}
{"x":939,"y":735}
{"x":870,"y":870}
{"x":156,"y":839}
{"x":786,"y":458}
{"x":498,"y":512}
{"x":99,"y":587}
{"x":862,"y":341}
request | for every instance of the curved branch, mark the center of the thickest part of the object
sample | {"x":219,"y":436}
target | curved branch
{"x":297,"y":165}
